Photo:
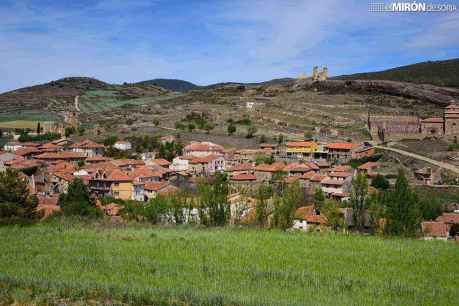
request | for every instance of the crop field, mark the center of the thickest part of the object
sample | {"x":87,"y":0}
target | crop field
{"x":28,"y":116}
{"x":138,"y":264}
{"x":18,"y":124}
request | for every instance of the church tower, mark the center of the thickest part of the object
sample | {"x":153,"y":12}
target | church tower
{"x":451,"y":119}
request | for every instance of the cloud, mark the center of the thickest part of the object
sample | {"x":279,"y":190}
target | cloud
{"x":208,"y":42}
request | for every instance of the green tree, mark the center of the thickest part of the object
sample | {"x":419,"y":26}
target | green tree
{"x":262,"y":138}
{"x":81,"y":131}
{"x":380,"y":182}
{"x":307,"y":135}
{"x":16,"y":204}
{"x":77,"y":202}
{"x":69,"y":131}
{"x":284,"y":211}
{"x":402,"y":209}
{"x":319,"y":197}
{"x":280,"y":138}
{"x":334,"y":216}
{"x":213,"y":200}
{"x":191,"y":127}
{"x":251,"y":131}
{"x":156,"y":122}
{"x":110,"y":140}
{"x":231,"y":129}
{"x":179,"y":125}
{"x":155,"y":209}
{"x":262,"y":211}
{"x":38,"y":128}
{"x":359,"y":200}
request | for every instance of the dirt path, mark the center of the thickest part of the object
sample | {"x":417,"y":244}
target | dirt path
{"x":423,"y":158}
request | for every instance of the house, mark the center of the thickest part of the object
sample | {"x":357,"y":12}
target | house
{"x":27,"y":152}
{"x":297,"y":169}
{"x":179,"y":164}
{"x":340,"y":151}
{"x":301,"y":149}
{"x":202,"y":149}
{"x":60,"y":181}
{"x":368,"y":168}
{"x":115,"y":183}
{"x":153,"y":189}
{"x":244,"y":168}
{"x":122,"y":145}
{"x":61,"y":156}
{"x":50,"y":147}
{"x":265,"y":172}
{"x":12,"y":146}
{"x":243,"y":181}
{"x":306,"y":218}
{"x":88,"y":148}
{"x":249,"y":155}
{"x":97,"y":159}
{"x":161,"y":162}
{"x":206,"y":165}
{"x":127,"y":164}
{"x":434,"y":230}
{"x":363,"y":151}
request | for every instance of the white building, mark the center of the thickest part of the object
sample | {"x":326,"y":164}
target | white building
{"x":122,"y":145}
{"x":180,"y":164}
{"x":12,"y":146}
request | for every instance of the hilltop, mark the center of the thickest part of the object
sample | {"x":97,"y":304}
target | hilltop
{"x":171,"y":84}
{"x":440,"y":73}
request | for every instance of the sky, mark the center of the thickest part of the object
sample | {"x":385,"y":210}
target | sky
{"x":211,"y":41}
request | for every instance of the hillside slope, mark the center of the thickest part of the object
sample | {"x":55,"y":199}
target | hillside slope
{"x":440,"y":73}
{"x":171,"y":84}
{"x":59,"y":95}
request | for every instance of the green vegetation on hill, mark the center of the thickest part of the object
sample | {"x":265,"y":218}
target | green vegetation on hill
{"x":171,"y":84}
{"x":440,"y":73}
{"x":141,"y":265}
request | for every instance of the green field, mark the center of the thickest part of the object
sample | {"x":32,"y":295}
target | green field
{"x":192,"y":266}
{"x":28,"y":115}
{"x":18,"y":124}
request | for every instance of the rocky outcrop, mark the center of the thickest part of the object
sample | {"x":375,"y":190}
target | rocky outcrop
{"x":441,"y":96}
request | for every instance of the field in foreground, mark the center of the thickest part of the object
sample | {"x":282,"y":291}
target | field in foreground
{"x":93,"y":263}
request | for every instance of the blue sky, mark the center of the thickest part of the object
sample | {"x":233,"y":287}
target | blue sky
{"x":211,"y":41}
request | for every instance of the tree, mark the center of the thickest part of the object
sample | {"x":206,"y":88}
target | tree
{"x":334,"y":216}
{"x":209,"y":127}
{"x":81,"y":131}
{"x":214,"y":209}
{"x":16,"y":204}
{"x":156,"y":122}
{"x":264,"y":192}
{"x":380,"y":182}
{"x":251,"y":131}
{"x":262,"y":138}
{"x":179,"y":125}
{"x":155,"y":209}
{"x":359,"y":200}
{"x":1,"y":133}
{"x":69,"y":131}
{"x":38,"y":128}
{"x":319,"y":197}
{"x":280,"y":138}
{"x":307,"y":135}
{"x":191,"y":127}
{"x":402,"y":209}
{"x":77,"y":202}
{"x":231,"y":129}
{"x":110,"y":140}
{"x":284,"y":210}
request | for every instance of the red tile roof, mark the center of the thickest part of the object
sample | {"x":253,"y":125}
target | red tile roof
{"x":308,"y":175}
{"x":275,"y":167}
{"x":242,"y":167}
{"x":118,"y":176}
{"x":341,"y":168}
{"x":291,"y":179}
{"x":297,"y":167}
{"x":97,"y":159}
{"x":203,"y":159}
{"x":244,"y":177}
{"x":61,"y":156}
{"x":341,"y":145}
{"x":340,"y":174}
{"x":304,"y":211}
{"x":317,"y":178}
{"x":332,"y":182}
{"x":316,"y":219}
{"x":369,"y":166}
{"x":127,"y":162}
{"x":300,"y":144}
{"x":162,"y":162}
{"x":203,"y":147}
{"x":87,"y":144}
{"x":155,"y":186}
{"x":449,"y":218}
{"x":26,"y":151}
{"x":64,"y":176}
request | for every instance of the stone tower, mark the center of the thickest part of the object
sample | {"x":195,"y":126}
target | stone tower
{"x":315,"y":73}
{"x":323,"y":75}
{"x":451,"y":119}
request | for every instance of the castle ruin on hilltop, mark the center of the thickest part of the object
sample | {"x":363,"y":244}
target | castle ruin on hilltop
{"x":316,"y":74}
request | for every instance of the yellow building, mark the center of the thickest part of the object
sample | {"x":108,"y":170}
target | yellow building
{"x":122,"y":190}
{"x":301,"y":149}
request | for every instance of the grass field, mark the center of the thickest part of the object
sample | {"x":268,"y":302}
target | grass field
{"x":18,"y":124}
{"x":28,"y":115}
{"x":191,"y":266}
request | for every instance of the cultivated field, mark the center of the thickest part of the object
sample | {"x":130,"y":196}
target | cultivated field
{"x":136,"y":264}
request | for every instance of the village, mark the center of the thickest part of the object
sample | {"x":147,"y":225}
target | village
{"x":328,"y":168}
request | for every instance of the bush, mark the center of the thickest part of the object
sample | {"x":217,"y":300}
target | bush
{"x":16,"y":204}
{"x":76,"y":202}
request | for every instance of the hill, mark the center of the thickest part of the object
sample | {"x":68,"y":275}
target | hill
{"x":279,"y":81}
{"x":171,"y":84}
{"x":144,"y":265}
{"x":440,"y":73}
{"x":57,"y":96}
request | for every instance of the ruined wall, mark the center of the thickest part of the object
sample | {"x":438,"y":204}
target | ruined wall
{"x":432,"y":128}
{"x":451,"y":118}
